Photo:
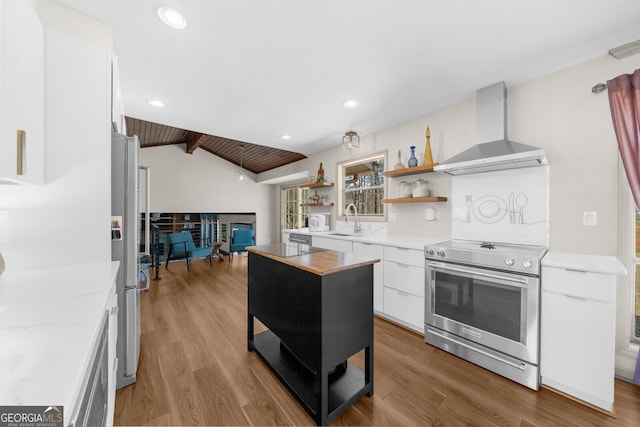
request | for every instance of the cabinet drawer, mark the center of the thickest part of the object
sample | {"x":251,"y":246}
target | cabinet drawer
{"x":368,"y":250}
{"x":593,"y":286}
{"x":405,"y":278}
{"x":404,"y":307}
{"x":333,"y":244}
{"x":404,"y":256}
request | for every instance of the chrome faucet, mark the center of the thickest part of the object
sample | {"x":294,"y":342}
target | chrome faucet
{"x":356,"y":225}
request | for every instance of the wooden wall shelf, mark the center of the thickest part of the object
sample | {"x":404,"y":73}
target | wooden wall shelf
{"x":409,"y":171}
{"x":416,"y":199}
{"x":316,"y":204}
{"x":317,"y":185}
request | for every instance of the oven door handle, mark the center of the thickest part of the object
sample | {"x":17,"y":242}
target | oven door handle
{"x":520,"y":366}
{"x":520,"y":280}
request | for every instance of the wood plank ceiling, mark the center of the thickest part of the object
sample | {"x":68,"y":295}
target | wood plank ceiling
{"x":255,"y":158}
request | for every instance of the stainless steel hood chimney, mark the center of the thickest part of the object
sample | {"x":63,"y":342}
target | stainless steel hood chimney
{"x":493,"y":151}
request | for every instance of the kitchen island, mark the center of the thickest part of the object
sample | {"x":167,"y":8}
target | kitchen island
{"x":318,"y":307}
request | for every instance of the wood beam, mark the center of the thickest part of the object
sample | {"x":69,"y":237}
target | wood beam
{"x":192,"y":145}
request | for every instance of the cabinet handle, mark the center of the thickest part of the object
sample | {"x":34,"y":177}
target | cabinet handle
{"x":402,"y":265}
{"x":402,"y":249}
{"x":575,"y":297}
{"x":404,"y":294}
{"x":22,"y":152}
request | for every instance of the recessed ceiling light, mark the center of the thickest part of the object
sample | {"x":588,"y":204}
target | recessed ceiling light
{"x":156,"y":103}
{"x":351,"y":103}
{"x":285,"y":136}
{"x":172,"y":18}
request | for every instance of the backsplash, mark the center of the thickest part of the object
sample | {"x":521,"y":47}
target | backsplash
{"x":509,"y":206}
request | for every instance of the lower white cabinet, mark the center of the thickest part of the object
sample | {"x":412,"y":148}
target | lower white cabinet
{"x":404,"y":286}
{"x":333,"y":244}
{"x":577,"y":336}
{"x":407,"y":308}
{"x":369,"y":250}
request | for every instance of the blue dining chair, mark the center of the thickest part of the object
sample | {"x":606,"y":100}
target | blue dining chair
{"x":242,"y":237}
{"x":181,"y":246}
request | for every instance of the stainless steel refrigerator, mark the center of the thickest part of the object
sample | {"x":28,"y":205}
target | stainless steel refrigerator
{"x":124,"y":239}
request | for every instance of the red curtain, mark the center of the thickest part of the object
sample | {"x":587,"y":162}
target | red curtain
{"x":624,"y":100}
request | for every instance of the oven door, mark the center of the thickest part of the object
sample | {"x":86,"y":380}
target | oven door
{"x":496,"y":309}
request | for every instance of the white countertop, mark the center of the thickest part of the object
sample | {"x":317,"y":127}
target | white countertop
{"x":601,"y":264}
{"x":397,"y":241}
{"x":49,"y":320}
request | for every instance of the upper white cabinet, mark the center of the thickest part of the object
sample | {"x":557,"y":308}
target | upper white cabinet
{"x":21,"y":93}
{"x":117,"y":103}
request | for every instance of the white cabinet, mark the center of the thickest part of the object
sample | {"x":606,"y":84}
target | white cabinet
{"x":21,"y":93}
{"x":404,"y":286}
{"x":117,"y":103}
{"x":112,"y":364}
{"x":369,"y":250}
{"x":577,"y":336}
{"x":333,"y":244}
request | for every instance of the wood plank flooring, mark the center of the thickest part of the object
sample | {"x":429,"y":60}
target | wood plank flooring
{"x":195,"y":370}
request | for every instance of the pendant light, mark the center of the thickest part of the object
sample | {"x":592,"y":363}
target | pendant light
{"x":241,"y":175}
{"x":351,"y":140}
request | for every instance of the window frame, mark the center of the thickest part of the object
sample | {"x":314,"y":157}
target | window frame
{"x":302,"y":211}
{"x":340,"y":192}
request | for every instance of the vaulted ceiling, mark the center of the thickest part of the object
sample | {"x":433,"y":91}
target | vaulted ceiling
{"x":254,"y":158}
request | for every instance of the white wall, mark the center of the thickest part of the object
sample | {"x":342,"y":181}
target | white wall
{"x":557,"y":112}
{"x":202,"y":182}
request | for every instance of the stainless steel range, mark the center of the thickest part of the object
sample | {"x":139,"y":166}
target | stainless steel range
{"x":483,"y":304}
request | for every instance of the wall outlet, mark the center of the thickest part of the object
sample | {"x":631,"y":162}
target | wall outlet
{"x":393,"y":217}
{"x":590,"y":218}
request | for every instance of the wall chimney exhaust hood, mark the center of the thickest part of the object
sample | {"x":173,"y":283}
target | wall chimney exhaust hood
{"x":494,"y":151}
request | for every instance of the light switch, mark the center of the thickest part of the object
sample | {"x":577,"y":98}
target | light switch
{"x":590,"y":218}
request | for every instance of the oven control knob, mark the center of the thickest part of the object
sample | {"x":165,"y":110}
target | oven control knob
{"x":509,"y":261}
{"x":527,"y":263}
{"x":440,"y":252}
{"x":430,"y":251}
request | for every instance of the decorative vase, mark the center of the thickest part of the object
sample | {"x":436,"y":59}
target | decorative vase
{"x":413,"y":162}
{"x":399,"y":165}
{"x":428,"y":156}
{"x":320,"y":176}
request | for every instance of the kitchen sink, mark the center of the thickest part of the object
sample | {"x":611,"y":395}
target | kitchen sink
{"x":345,"y":234}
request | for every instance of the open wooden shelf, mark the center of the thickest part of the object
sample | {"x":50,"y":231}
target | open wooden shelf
{"x":317,"y":185}
{"x":416,"y":199}
{"x":316,"y":204}
{"x":409,"y":171}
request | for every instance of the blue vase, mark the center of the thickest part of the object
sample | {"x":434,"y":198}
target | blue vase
{"x":413,"y":162}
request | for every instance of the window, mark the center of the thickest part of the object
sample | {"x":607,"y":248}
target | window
{"x":361,"y":183}
{"x":294,"y":216}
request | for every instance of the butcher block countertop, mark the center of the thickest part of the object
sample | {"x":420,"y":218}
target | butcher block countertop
{"x":314,"y":260}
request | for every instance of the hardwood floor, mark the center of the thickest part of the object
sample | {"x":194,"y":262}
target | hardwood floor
{"x":195,"y":370}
